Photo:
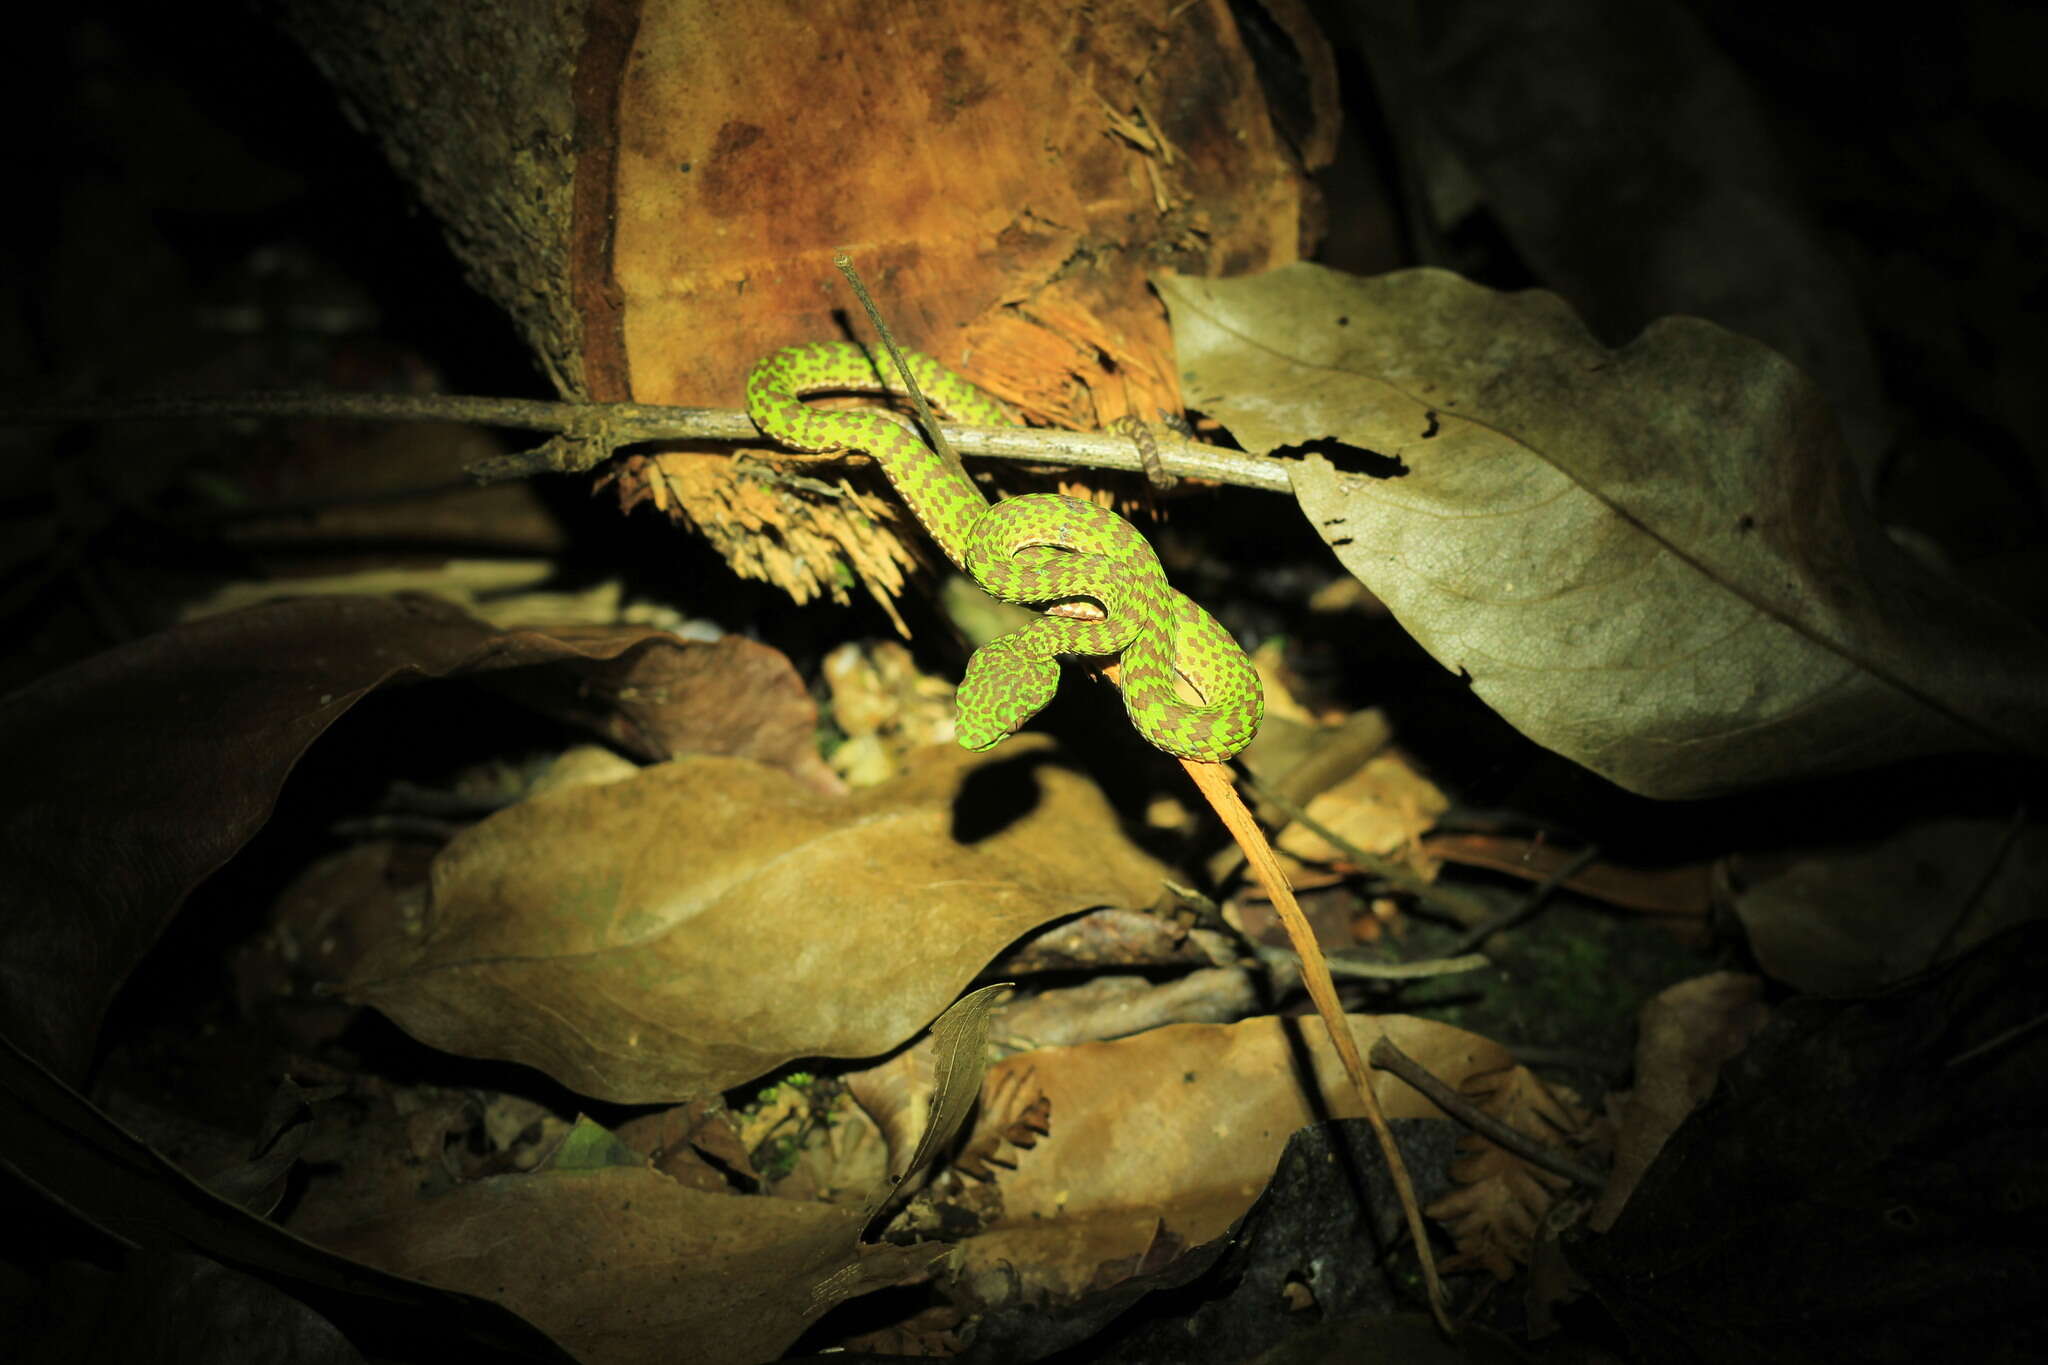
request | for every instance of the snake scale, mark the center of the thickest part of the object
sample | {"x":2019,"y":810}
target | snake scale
{"x":1039,"y":550}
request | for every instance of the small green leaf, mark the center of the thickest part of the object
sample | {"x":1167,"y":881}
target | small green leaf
{"x":590,"y":1146}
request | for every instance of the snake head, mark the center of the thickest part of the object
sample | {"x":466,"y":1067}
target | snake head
{"x":1006,"y":684}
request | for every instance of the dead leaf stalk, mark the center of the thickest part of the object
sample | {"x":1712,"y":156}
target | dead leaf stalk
{"x":1215,"y":783}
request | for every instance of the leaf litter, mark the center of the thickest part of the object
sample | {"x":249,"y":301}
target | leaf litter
{"x":657,"y":935}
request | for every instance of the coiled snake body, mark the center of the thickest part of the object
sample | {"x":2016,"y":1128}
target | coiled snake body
{"x":1033,"y":550}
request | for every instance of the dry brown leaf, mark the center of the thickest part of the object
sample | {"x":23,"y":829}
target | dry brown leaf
{"x":625,"y":1266}
{"x":1383,"y":807}
{"x":1014,"y":1113}
{"x":1649,"y":559}
{"x":959,"y":1061}
{"x":704,"y":922}
{"x":1833,"y":920}
{"x":1684,"y":1036}
{"x":1500,"y":1205}
{"x":695,"y":1144}
{"x":154,"y":763}
{"x":1183,"y":1124}
{"x":733,"y":696}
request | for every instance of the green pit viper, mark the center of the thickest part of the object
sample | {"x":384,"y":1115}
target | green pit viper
{"x":1039,"y":550}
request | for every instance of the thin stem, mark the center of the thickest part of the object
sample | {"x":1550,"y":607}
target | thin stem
{"x":602,"y":429}
{"x":1530,"y":904}
{"x":1388,"y":1057}
{"x":522,"y":414}
{"x":1387,"y":971}
{"x":950,"y":456}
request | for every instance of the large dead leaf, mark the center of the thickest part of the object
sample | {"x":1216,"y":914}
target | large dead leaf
{"x":140,"y":771}
{"x":623,"y":1265}
{"x":1649,"y":559}
{"x":705,"y":921}
{"x":1182,"y":1126}
{"x":1829,"y":920}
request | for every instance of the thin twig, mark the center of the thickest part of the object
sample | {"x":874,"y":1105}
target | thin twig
{"x":1214,"y":781}
{"x":596,"y":431}
{"x":1998,"y":1040}
{"x":522,"y":414}
{"x":1530,"y":904}
{"x":947,"y":454}
{"x":1387,"y":971}
{"x":1388,"y":1057}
